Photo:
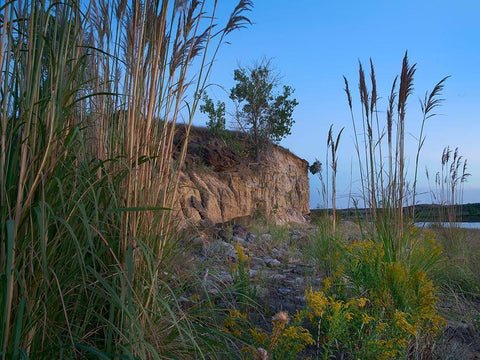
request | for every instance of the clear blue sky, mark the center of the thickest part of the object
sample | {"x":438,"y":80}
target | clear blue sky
{"x":313,"y":43}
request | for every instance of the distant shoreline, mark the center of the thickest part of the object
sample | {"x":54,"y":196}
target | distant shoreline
{"x":423,"y":212}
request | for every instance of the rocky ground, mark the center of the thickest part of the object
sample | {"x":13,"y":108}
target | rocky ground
{"x":281,"y":268}
{"x":277,"y":267}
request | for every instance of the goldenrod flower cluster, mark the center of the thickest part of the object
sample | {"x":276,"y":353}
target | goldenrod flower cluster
{"x":375,"y":307}
{"x":286,"y":340}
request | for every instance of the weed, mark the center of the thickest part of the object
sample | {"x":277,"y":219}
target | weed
{"x":245,"y":292}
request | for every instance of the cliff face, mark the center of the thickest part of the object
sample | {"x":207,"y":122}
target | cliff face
{"x":227,"y":186}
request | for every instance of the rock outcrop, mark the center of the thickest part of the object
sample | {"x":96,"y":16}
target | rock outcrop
{"x":223,"y":188}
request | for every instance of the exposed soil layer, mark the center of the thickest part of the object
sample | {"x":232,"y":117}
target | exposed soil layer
{"x":221,"y":181}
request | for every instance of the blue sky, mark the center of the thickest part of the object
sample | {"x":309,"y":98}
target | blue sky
{"x":314,"y":43}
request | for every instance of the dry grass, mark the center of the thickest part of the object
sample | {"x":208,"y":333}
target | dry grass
{"x":384,"y":185}
{"x":92,"y":93}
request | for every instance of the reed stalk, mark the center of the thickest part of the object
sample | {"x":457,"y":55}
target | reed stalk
{"x":383,"y":179}
{"x":430,"y":102}
{"x":91,"y":97}
{"x":448,"y":185}
{"x":333,"y":145}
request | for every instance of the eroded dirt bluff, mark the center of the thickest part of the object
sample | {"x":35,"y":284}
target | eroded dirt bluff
{"x":221,"y":181}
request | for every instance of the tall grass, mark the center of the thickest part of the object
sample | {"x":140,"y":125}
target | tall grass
{"x":90,"y":98}
{"x":379,"y":300}
{"x":449,"y":181}
{"x":333,"y":145}
{"x":380,"y":149}
{"x":460,"y":273}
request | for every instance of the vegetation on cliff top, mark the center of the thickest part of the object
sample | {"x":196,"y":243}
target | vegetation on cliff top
{"x":260,"y":112}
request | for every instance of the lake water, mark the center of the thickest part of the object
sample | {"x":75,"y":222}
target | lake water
{"x":464,"y":225}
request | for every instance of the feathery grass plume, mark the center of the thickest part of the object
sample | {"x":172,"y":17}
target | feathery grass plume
{"x":369,"y":103}
{"x":430,"y":103}
{"x":448,"y":184}
{"x":347,"y":91}
{"x":390,"y":110}
{"x":384,"y":187}
{"x":373,"y":99}
{"x":357,"y":146}
{"x":316,"y":168}
{"x":237,"y":19}
{"x":362,"y":87}
{"x":88,"y":168}
{"x":405,"y":90}
{"x":380,"y":131}
{"x":406,"y":85}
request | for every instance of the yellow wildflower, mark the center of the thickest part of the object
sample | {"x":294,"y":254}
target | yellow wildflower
{"x":230,"y":323}
{"x":241,"y":253}
{"x":327,"y":283}
{"x":234,"y":313}
{"x":361,"y":302}
{"x":337,"y":273}
{"x":381,"y":327}
{"x":401,"y":322}
{"x":366,"y":318}
{"x":335,"y":305}
{"x":259,"y":335}
{"x":317,"y":301}
{"x":299,"y":333}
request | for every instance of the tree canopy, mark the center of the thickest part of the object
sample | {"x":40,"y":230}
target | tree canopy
{"x":216,"y":114}
{"x":265,"y":113}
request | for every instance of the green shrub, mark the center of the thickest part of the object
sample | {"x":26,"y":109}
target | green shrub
{"x":216,"y":115}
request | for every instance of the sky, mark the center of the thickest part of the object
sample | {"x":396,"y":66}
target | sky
{"x":313,"y":44}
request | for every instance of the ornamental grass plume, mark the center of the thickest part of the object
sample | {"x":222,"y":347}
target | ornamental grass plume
{"x":382,"y":163}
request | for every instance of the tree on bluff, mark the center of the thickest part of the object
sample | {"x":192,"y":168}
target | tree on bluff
{"x":216,"y":115}
{"x":266,"y":114}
